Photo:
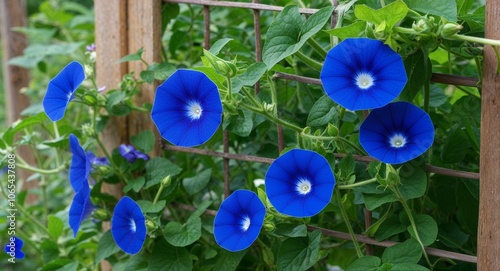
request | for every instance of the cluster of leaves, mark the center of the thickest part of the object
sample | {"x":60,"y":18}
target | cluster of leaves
{"x":419,"y":208}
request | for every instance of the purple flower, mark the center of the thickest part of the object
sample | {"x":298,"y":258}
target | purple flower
{"x":131,"y":154}
{"x":97,"y":161}
{"x":90,"y":48}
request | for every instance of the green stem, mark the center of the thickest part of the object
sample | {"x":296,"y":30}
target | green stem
{"x":349,"y":186}
{"x":274,"y":96}
{"x":338,"y":138}
{"x":157,"y":196}
{"x":56,"y":135}
{"x":317,"y":47}
{"x":309,"y":61}
{"x":498,"y":59}
{"x":25,"y":166}
{"x":348,"y":224}
{"x":474,"y":39}
{"x":427,"y":97}
{"x":229,"y":88}
{"x":412,"y":222}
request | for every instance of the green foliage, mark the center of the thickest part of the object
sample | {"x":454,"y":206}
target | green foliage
{"x":178,"y":192}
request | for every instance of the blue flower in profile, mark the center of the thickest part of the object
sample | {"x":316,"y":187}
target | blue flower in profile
{"x":299,"y":183}
{"x":238,"y":222}
{"x":80,"y":208}
{"x":396,"y":133}
{"x":361,"y":73}
{"x":61,"y":90}
{"x":79,"y":168}
{"x":128,"y":226}
{"x":187,"y":109}
{"x":131,"y":154}
{"x":13,"y":248}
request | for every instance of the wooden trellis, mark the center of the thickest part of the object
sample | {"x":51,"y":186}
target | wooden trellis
{"x":124,"y":26}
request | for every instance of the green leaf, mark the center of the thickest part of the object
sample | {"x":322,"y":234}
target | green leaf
{"x":166,"y":257}
{"x":195,"y":184}
{"x":389,"y":15}
{"x":389,"y":228}
{"x":135,"y":185}
{"x":22,"y":124}
{"x":354,"y":30}
{"x":347,"y":166}
{"x":366,"y":263}
{"x":291,"y":230}
{"x":373,"y":201}
{"x":443,"y":8}
{"x":299,"y":253}
{"x":418,"y":69}
{"x":452,"y":236}
{"x":132,"y":57}
{"x":407,"y":267}
{"x":147,"y":76}
{"x":241,"y":124}
{"x":144,"y":141}
{"x":181,"y":235}
{"x":289,"y":31}
{"x":407,"y":252}
{"x":218,"y":45}
{"x":158,"y":168}
{"x":427,"y":229}
{"x":437,"y":96}
{"x":228,"y":261}
{"x":249,"y":77}
{"x":115,"y":104}
{"x":322,"y":112}
{"x":467,"y":108}
{"x":54,"y":226}
{"x":72,"y":266}
{"x":106,"y":247}
{"x":148,"y":206}
{"x":413,"y":182}
{"x":455,"y":146}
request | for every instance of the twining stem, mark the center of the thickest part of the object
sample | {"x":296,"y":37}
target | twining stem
{"x":475,"y":39}
{"x":25,"y":166}
{"x":348,"y":224}
{"x":412,"y":222}
{"x":336,"y":138}
{"x":317,"y":47}
{"x":349,"y":186}
{"x":157,"y":196}
{"x":309,"y":61}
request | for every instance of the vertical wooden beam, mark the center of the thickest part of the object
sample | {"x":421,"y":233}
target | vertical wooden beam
{"x":13,"y":14}
{"x":489,"y":218}
{"x":144,"y":31}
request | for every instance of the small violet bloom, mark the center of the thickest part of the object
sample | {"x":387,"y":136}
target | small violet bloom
{"x":396,"y":133}
{"x":13,"y":248}
{"x":90,"y":48}
{"x":80,"y":208}
{"x":79,"y":168}
{"x":300,"y":183}
{"x":361,"y":73}
{"x":131,"y":154}
{"x":97,"y":161}
{"x":61,"y":90}
{"x":187,"y":109}
{"x":239,"y":220}
{"x":128,"y":226}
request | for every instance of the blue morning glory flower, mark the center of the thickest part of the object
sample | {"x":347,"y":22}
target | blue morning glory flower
{"x":128,"y":226}
{"x":361,"y":73}
{"x":80,"y":166}
{"x":80,"y":208}
{"x":13,"y":248}
{"x":299,"y":183}
{"x":131,"y":154}
{"x":187,"y":109}
{"x":238,"y":222}
{"x":96,"y":160}
{"x":61,"y":89}
{"x":396,"y":133}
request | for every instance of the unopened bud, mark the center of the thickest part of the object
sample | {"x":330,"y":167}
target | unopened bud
{"x":450,"y":29}
{"x":166,"y":181}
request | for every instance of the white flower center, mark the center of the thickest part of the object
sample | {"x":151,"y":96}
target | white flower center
{"x":397,"y":141}
{"x":194,"y":110}
{"x":132,"y":225}
{"x":303,"y":186}
{"x":364,"y":80}
{"x":245,"y":224}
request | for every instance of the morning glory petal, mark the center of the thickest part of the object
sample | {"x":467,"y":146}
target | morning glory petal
{"x":80,"y":208}
{"x":128,"y":226}
{"x":80,"y":166}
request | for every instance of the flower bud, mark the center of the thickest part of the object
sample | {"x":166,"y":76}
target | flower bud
{"x":166,"y":181}
{"x":101,"y":214}
{"x":268,"y":226}
{"x":221,"y":66}
{"x":450,"y":29}
{"x":332,"y":130}
{"x":150,"y":225}
{"x":88,"y":130}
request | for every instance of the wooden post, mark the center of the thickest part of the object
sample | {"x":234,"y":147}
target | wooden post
{"x":13,"y":14}
{"x":489,"y":218}
{"x":122,"y":27}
